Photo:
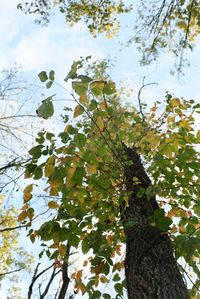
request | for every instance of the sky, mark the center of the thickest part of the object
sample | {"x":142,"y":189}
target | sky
{"x":36,"y":48}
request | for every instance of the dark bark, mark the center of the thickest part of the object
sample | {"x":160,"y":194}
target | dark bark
{"x":150,"y":267}
{"x":65,"y":277}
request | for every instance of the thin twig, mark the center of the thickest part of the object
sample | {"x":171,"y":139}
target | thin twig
{"x":139,"y":96}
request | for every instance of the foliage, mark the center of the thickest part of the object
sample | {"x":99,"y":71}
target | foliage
{"x":84,"y":171}
{"x":13,"y":257}
{"x":99,"y":16}
{"x":172,"y":25}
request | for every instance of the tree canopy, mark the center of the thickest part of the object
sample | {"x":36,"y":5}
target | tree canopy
{"x":84,"y":169}
{"x":172,"y":25}
{"x":119,"y":184}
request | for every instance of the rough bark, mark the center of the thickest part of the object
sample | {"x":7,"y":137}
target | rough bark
{"x":150,"y":267}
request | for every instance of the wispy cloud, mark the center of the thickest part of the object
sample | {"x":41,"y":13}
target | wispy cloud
{"x":35,"y":47}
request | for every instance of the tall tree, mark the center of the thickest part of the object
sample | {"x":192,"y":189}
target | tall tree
{"x":121,"y":175}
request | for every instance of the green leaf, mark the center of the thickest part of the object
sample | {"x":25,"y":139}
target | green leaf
{"x":73,"y":240}
{"x":92,"y":105}
{"x":73,"y":71}
{"x":84,"y":78}
{"x":116,"y":277}
{"x":54,"y":255}
{"x":109,"y":88}
{"x":49,"y":84}
{"x":49,"y":135}
{"x":63,"y":234}
{"x":38,"y":173}
{"x":64,"y":137}
{"x":80,"y":140}
{"x":97,"y":87}
{"x":106,"y":296}
{"x":52,"y":75}
{"x":79,"y":87}
{"x":95,"y":295}
{"x":119,"y":288}
{"x":43,"y":76}
{"x":78,"y":175}
{"x":164,"y":223}
{"x":85,"y":246}
{"x":70,"y":130}
{"x":35,"y":151}
{"x":46,"y":110}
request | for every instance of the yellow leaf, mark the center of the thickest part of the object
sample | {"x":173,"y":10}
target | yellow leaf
{"x":80,"y":197}
{"x":81,"y":287}
{"x":100,"y":123}
{"x":175,"y":102}
{"x":54,"y":245}
{"x":97,"y":87}
{"x":51,"y":160}
{"x":22,"y":216}
{"x":103,"y":105}
{"x":167,"y":151}
{"x":126,"y":201}
{"x":28,"y":188}
{"x":2,"y":198}
{"x":96,"y":281}
{"x":53,"y":205}
{"x":62,"y":249}
{"x":27,"y":196}
{"x":53,"y":192}
{"x":78,"y":110}
{"x":55,"y":184}
{"x":118,"y":249}
{"x":181,"y":229}
{"x":184,"y":124}
{"x":83,"y":99}
{"x":49,"y":169}
{"x":109,"y":239}
{"x":91,"y":169}
{"x":103,"y":279}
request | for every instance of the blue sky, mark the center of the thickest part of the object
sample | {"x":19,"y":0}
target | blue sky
{"x":36,"y":48}
{"x":55,"y":47}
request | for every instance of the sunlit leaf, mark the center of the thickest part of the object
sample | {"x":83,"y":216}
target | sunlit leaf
{"x":78,"y":111}
{"x":53,"y":205}
{"x":46,"y":110}
{"x":43,"y":76}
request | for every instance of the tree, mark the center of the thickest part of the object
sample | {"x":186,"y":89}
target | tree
{"x":117,"y":176}
{"x":172,"y":25}
{"x":122,"y":175}
{"x":14,"y":121}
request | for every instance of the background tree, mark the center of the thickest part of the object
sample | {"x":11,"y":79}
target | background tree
{"x":16,"y":129}
{"x":172,"y":25}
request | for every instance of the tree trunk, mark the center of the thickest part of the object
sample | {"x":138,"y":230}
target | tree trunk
{"x":150,"y":267}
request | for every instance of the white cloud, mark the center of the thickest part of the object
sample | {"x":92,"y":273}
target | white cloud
{"x":35,"y":47}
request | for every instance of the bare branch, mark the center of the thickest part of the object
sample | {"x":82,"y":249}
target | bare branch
{"x":11,"y":228}
{"x":35,"y":277}
{"x":10,"y":272}
{"x":139,"y":96}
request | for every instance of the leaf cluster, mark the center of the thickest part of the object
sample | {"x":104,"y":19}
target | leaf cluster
{"x":84,"y":171}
